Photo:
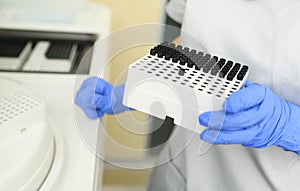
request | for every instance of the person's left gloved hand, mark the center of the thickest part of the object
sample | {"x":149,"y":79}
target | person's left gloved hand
{"x":97,"y":97}
{"x":254,"y":117}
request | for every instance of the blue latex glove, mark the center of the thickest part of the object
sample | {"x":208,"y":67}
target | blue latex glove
{"x":97,"y":97}
{"x":254,"y":117}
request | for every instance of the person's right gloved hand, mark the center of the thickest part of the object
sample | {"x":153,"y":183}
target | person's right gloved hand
{"x":254,"y":117}
{"x":97,"y":97}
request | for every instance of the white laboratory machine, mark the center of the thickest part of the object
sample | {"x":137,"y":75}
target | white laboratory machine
{"x":47,"y":48}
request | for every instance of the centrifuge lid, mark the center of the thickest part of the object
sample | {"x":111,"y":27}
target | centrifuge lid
{"x":26,"y":141}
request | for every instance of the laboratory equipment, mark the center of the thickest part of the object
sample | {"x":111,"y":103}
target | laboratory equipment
{"x":13,"y":55}
{"x":48,"y":57}
{"x":27,"y":142}
{"x":61,"y":155}
{"x":181,"y":83}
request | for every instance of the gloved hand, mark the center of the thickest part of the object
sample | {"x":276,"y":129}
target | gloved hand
{"x":254,"y":117}
{"x":97,"y":97}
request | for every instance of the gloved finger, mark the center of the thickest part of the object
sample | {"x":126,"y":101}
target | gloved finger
{"x":204,"y":118}
{"x":88,"y":105}
{"x":241,"y":136}
{"x":213,"y":120}
{"x":233,"y":121}
{"x":243,"y":119}
{"x":97,"y":85}
{"x":103,"y":87}
{"x":81,"y":99}
{"x":100,"y":113}
{"x":100,"y":102}
{"x":245,"y":98}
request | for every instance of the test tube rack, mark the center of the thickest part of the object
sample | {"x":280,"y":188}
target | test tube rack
{"x":181,"y":83}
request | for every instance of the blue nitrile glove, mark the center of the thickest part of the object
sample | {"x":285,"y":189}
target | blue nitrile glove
{"x":97,"y":97}
{"x":254,"y":117}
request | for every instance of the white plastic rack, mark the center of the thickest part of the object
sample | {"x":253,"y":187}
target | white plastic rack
{"x":181,"y":83}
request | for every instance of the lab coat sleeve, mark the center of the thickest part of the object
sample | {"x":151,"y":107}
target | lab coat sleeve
{"x":175,"y":9}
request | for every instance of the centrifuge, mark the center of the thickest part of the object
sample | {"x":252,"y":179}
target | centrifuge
{"x":46,"y":50}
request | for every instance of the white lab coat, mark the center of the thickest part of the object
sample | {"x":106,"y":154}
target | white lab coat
{"x":266,"y":35}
